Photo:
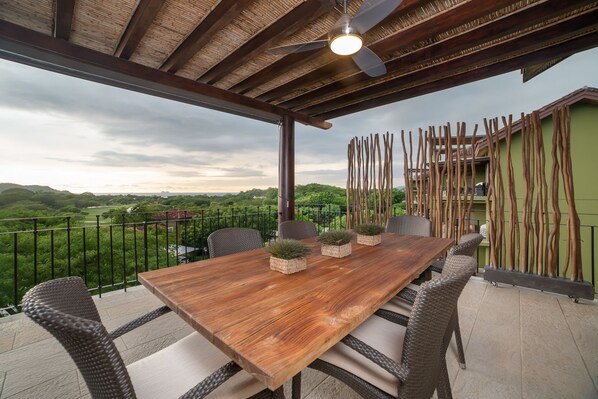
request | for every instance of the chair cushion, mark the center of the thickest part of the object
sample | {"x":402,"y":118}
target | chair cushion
{"x":398,"y":305}
{"x":174,"y":370}
{"x":380,"y":334}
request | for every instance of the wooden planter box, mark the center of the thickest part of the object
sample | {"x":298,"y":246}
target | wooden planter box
{"x":336,"y":251}
{"x":369,"y":240}
{"x":558,"y":285}
{"x":288,"y":266}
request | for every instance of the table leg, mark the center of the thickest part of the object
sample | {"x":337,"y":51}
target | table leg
{"x":296,"y":392}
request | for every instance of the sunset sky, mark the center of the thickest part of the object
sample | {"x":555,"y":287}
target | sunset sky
{"x":80,"y":136}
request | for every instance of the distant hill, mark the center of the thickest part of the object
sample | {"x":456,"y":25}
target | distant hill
{"x":32,"y":188}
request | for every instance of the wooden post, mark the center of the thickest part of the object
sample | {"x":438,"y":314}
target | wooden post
{"x":286,"y":170}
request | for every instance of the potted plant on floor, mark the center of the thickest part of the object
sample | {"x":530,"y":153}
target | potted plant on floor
{"x":288,"y":256}
{"x":369,"y":234}
{"x":336,"y":243}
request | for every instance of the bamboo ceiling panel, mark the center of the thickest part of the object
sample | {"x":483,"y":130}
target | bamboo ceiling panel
{"x":215,"y":51}
{"x":37,"y":15}
{"x":98,"y":25}
{"x":259,"y":15}
{"x":170,"y":27}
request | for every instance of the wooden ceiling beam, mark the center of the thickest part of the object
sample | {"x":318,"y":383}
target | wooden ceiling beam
{"x":33,"y":48}
{"x":282,"y":27}
{"x":291,"y":61}
{"x":452,"y":18}
{"x":142,"y":18}
{"x":63,"y":18}
{"x":220,"y":16}
{"x":522,"y":19}
{"x":563,"y":49}
{"x":527,"y":43}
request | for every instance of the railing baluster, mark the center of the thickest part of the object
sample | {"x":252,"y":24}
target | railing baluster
{"x":167,"y":248}
{"x":145,"y":249}
{"x":98,"y":255}
{"x":15,"y":283}
{"x":124,"y":256}
{"x":52,"y":260}
{"x":111,"y":256}
{"x":157,"y":247}
{"x":135,"y":249}
{"x":35,"y":251}
{"x":68,"y":243}
{"x":84,"y":257}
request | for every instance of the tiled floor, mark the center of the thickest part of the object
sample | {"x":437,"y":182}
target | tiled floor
{"x":519,"y":344}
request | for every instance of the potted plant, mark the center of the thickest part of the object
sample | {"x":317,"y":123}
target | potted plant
{"x":288,"y":256}
{"x":336,"y":243}
{"x":369,"y":234}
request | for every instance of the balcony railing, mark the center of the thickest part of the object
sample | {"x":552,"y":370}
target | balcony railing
{"x":109,"y":255}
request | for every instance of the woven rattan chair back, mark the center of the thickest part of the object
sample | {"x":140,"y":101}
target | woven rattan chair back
{"x":232,"y":240}
{"x":65,"y":309}
{"x":432,"y":311}
{"x":296,"y":230}
{"x":409,"y":225}
{"x":467,"y":245}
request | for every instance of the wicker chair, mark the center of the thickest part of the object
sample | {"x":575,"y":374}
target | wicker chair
{"x":65,"y":309}
{"x":404,"y":299}
{"x":467,"y":246}
{"x":232,"y":240}
{"x":409,"y":225}
{"x":384,"y":359}
{"x":296,"y":230}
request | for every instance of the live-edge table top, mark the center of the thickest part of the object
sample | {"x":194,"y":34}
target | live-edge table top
{"x":274,"y":325}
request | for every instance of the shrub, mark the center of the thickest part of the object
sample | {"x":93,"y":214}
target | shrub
{"x":335,"y":237}
{"x":368,"y":229}
{"x":288,"y":249}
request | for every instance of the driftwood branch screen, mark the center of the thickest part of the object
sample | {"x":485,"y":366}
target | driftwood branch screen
{"x":369,"y":180}
{"x":440,"y":184}
{"x":532,"y":244}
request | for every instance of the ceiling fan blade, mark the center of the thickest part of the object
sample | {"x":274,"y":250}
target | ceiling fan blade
{"x":298,"y":47}
{"x":372,"y":12}
{"x":369,"y":62}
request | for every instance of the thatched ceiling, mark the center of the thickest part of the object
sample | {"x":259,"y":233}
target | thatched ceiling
{"x":213,"y":53}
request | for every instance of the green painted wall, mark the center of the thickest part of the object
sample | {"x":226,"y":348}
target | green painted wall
{"x":584,"y":154}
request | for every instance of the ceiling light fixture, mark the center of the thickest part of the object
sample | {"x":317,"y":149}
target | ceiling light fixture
{"x":344,"y":39}
{"x":346,"y":44}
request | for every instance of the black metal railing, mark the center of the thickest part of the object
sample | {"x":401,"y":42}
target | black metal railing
{"x":109,"y":253}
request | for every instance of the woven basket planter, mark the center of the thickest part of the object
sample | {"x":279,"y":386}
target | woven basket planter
{"x":369,"y":240}
{"x":288,"y":266}
{"x":336,"y":251}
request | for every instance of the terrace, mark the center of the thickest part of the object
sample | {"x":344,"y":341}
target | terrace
{"x":519,"y":343}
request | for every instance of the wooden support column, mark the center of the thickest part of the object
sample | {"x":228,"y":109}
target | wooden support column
{"x":286,"y":170}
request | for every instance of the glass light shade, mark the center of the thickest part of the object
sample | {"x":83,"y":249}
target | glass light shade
{"x":346,"y":44}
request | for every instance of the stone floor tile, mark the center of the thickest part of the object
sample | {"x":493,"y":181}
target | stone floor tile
{"x":2,"y":378}
{"x":310,"y":379}
{"x":332,"y":388}
{"x":33,"y":333}
{"x":582,"y":319}
{"x":473,"y":293}
{"x":544,"y":382}
{"x":61,"y":387}
{"x":38,"y":370}
{"x":29,"y":354}
{"x":163,"y":325}
{"x":6,"y":342}
{"x":479,"y":381}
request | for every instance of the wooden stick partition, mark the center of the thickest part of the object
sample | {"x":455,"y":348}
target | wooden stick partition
{"x":369,"y":180}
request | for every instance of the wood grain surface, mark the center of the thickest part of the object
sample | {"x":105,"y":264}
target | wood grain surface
{"x":274,"y":325}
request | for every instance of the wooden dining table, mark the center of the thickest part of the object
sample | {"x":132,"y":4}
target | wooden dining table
{"x":274,"y":325}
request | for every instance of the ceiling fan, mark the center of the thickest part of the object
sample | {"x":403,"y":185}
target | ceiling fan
{"x":345,"y":37}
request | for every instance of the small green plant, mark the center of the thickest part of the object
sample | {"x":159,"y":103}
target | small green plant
{"x":368,"y":229}
{"x":288,"y":249}
{"x":335,"y":237}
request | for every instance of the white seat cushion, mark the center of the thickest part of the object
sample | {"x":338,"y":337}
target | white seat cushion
{"x":380,"y":334}
{"x":174,"y":370}
{"x":400,"y":306}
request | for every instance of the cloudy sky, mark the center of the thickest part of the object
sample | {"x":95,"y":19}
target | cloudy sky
{"x":81,"y":136}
